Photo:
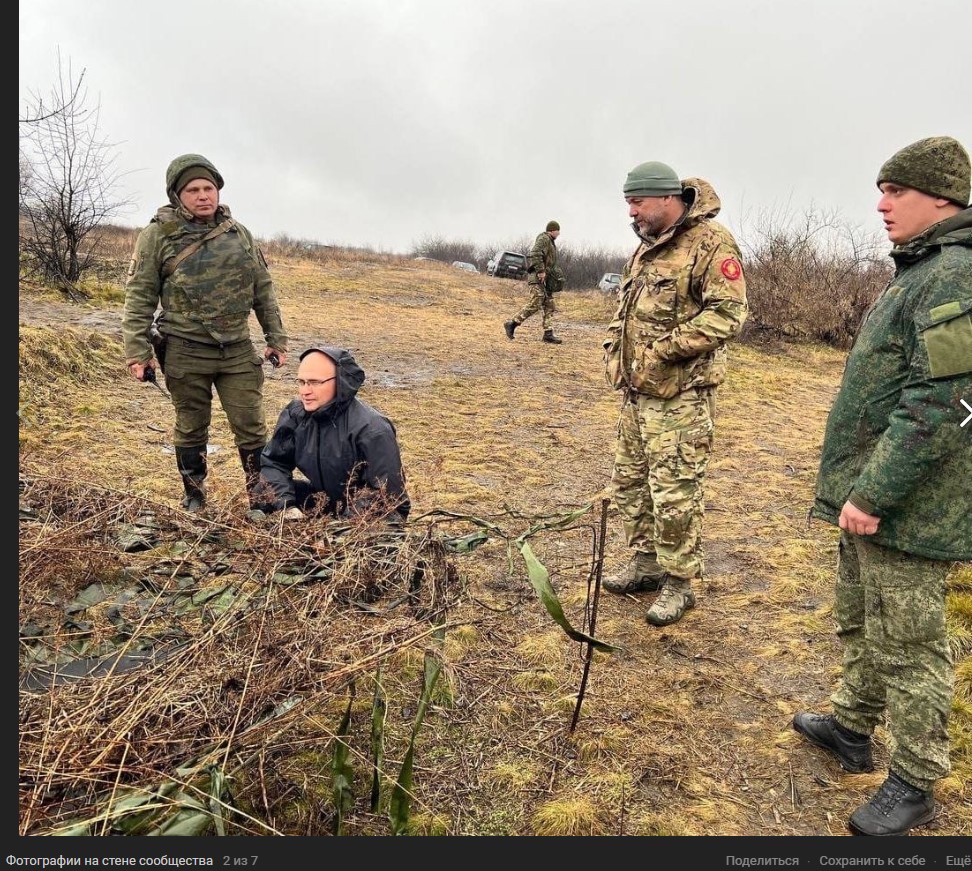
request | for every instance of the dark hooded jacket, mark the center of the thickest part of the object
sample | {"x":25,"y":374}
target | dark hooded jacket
{"x":346,"y":449}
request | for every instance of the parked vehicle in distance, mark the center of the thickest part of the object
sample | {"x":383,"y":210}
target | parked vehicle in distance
{"x":461,"y":264}
{"x":610,"y":281}
{"x":507,"y":264}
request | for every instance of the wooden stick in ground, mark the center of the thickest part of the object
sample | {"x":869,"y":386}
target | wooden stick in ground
{"x":598,"y":565}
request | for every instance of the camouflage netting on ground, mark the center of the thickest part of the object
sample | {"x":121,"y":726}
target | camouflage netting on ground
{"x":162,"y":651}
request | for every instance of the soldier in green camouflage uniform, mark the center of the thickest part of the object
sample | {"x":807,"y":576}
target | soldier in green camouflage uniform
{"x":546,"y":278}
{"x":896,"y":477}
{"x":682,"y":297}
{"x":201,"y":270}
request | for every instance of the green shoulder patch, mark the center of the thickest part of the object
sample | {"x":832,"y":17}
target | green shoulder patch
{"x":946,"y":331}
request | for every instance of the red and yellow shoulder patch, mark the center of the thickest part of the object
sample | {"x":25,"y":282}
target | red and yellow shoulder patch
{"x":730,"y":268}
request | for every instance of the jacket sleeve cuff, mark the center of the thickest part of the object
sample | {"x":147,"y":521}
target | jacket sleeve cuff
{"x":862,"y":504}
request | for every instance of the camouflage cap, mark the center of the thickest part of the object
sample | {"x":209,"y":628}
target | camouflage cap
{"x":652,"y":179}
{"x":552,"y":225}
{"x":938,"y":166}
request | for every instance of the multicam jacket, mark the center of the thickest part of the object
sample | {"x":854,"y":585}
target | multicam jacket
{"x":209,"y":296}
{"x":894,"y":444}
{"x":682,"y":297}
{"x":542,"y":258}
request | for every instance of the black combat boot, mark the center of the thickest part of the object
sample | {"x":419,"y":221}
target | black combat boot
{"x":853,"y":751}
{"x":192,"y":468}
{"x":548,"y":336}
{"x":250,"y":458}
{"x":895,"y":808}
{"x":510,"y":327}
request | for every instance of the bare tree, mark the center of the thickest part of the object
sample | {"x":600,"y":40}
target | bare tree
{"x":38,"y":111}
{"x":67,"y":183}
{"x":812,"y":275}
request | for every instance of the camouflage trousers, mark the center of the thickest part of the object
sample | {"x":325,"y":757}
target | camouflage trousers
{"x":540,"y":301}
{"x":660,"y":460}
{"x":193,"y":370}
{"x":890,"y":612}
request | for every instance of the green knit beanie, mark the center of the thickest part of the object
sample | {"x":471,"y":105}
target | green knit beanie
{"x":652,"y":179}
{"x":937,"y":166}
{"x":552,"y":225}
{"x":192,"y":174}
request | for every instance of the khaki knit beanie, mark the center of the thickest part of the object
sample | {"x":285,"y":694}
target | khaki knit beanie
{"x":192,"y":174}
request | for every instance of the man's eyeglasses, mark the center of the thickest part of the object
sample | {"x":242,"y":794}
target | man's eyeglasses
{"x":314,"y":383}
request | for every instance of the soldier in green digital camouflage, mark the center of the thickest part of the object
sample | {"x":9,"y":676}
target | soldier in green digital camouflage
{"x":682,"y":298}
{"x":545,"y":279}
{"x":896,"y":477}
{"x":195,"y":276}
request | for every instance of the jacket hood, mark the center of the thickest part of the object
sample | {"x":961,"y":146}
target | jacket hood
{"x":350,"y":376}
{"x":179,"y":165}
{"x":702,"y":200}
{"x":956,"y":230}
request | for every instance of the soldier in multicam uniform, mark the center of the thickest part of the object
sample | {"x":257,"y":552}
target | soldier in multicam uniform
{"x":896,"y":477}
{"x":546,"y":278}
{"x":201,"y":269}
{"x":682,"y":298}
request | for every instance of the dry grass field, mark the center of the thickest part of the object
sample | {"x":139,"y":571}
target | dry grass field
{"x":683,"y":730}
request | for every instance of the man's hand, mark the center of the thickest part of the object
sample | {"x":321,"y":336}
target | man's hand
{"x":280,"y":356}
{"x":855,"y":521}
{"x":138,"y":370}
{"x":542,"y":276}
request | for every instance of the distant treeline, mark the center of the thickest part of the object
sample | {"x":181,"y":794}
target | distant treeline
{"x":808,"y":277}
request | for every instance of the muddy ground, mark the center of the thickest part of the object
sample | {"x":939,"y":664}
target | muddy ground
{"x":684,"y":731}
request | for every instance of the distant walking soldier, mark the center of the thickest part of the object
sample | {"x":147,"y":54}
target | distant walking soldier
{"x":546,"y":279}
{"x":200,"y":269}
{"x":896,"y":477}
{"x":682,"y":297}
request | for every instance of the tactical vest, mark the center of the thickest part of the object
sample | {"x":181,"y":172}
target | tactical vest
{"x":215,"y":284}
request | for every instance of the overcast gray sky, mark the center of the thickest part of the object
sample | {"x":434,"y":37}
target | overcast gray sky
{"x":379,"y":122}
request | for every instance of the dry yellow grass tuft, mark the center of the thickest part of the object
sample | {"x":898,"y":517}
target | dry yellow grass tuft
{"x":570,"y":815}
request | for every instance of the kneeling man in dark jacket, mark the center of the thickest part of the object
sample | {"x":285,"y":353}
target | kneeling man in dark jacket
{"x":347,"y":450}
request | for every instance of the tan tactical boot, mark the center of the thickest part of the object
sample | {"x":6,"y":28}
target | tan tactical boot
{"x":641,"y":573}
{"x":675,"y":598}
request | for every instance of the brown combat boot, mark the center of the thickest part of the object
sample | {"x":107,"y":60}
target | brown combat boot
{"x":675,"y":598}
{"x":641,"y":573}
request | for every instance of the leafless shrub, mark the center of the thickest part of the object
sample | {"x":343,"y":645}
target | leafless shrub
{"x":584,"y":266}
{"x":446,"y":250}
{"x":812,"y":276}
{"x":68,"y":184}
